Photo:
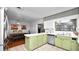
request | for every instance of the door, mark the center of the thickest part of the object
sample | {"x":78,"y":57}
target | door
{"x":41,"y":28}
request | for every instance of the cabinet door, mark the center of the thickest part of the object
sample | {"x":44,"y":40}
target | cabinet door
{"x":51,"y":24}
{"x":46,"y":24}
{"x":45,"y":39}
{"x":58,"y":41}
{"x":74,"y":45}
{"x":27,"y":43}
{"x":67,"y":43}
{"x":40,"y":39}
{"x":33,"y":42}
{"x":78,"y":47}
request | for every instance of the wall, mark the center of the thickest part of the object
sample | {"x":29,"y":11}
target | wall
{"x":34,"y":26}
{"x":21,"y":22}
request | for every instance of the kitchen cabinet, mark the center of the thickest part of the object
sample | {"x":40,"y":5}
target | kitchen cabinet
{"x":48,"y":24}
{"x":75,"y":45}
{"x":31,"y":43}
{"x":45,"y":39}
{"x":26,"y":43}
{"x":34,"y":42}
{"x":40,"y":40}
{"x":58,"y":41}
{"x":67,"y":43}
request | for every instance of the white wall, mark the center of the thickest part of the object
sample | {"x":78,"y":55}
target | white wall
{"x":34,"y":26}
{"x":21,"y":22}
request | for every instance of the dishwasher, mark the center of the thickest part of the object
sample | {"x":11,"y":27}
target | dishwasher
{"x":51,"y":39}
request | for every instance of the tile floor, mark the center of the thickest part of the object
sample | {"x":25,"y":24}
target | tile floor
{"x":45,"y":47}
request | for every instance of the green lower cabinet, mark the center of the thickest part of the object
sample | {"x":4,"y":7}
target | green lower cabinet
{"x":26,"y":43}
{"x":40,"y":40}
{"x":45,"y":39}
{"x":58,"y":41}
{"x":78,"y":46}
{"x":67,"y":43}
{"x":74,"y":45}
{"x":33,"y":43}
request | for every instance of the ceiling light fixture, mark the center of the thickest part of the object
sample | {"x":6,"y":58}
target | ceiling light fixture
{"x":19,"y":7}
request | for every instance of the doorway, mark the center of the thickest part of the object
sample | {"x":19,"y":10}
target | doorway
{"x":41,"y":28}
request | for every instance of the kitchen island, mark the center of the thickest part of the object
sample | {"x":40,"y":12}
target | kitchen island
{"x":33,"y":41}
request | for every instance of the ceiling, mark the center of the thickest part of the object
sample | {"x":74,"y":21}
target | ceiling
{"x":33,"y":13}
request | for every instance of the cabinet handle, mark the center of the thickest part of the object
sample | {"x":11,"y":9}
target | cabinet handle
{"x":73,"y":38}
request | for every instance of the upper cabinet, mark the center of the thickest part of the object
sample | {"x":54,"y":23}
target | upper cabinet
{"x":66,"y":22}
{"x":67,"y":25}
{"x":48,"y":24}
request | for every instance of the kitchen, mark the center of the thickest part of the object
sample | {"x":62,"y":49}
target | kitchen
{"x":30,"y":28}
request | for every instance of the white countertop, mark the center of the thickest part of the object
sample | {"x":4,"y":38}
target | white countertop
{"x":29,"y":35}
